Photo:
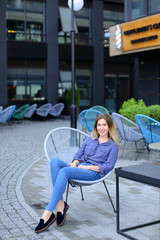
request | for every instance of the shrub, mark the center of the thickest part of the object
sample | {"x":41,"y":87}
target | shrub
{"x":77,"y":97}
{"x":132,"y":107}
{"x":154,"y":112}
{"x":128,"y":103}
{"x":130,"y":112}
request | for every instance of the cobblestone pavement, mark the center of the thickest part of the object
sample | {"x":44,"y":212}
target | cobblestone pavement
{"x":26,"y":188}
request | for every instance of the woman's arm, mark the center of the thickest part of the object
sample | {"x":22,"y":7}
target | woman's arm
{"x":90,"y":167}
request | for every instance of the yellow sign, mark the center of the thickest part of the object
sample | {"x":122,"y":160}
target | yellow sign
{"x":143,"y":33}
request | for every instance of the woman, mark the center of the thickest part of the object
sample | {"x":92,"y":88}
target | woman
{"x":95,"y":158}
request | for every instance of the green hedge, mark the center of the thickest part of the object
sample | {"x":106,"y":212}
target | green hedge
{"x":132,"y":107}
{"x":77,"y":97}
{"x":154,"y":112}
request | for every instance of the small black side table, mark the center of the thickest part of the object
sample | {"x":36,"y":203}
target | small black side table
{"x":145,"y":173}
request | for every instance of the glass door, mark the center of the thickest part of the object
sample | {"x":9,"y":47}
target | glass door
{"x":110,"y":92}
{"x":123,"y":93}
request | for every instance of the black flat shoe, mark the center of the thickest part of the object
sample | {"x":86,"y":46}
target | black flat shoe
{"x":61,"y":218}
{"x":43,"y":226}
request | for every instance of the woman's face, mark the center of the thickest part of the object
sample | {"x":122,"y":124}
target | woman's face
{"x":102,"y":128}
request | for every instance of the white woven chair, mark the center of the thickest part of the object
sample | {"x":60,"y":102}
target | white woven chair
{"x":56,"y":109}
{"x":129,"y":131}
{"x":63,"y":143}
{"x":30,"y":111}
{"x":43,"y":111}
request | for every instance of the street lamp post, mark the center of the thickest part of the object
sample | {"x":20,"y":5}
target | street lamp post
{"x":74,"y":5}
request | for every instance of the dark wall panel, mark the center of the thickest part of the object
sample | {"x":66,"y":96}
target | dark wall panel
{"x":3,"y":56}
{"x":26,"y":50}
{"x":65,"y":53}
{"x":52,"y":51}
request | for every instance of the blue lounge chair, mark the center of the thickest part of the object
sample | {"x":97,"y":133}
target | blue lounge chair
{"x":30,"y":111}
{"x":150,"y":128}
{"x":43,"y":111}
{"x":100,"y":109}
{"x":56,"y":109}
{"x":87,"y":118}
{"x":6,"y":114}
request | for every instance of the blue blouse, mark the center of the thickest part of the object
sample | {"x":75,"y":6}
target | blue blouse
{"x":103,"y":155}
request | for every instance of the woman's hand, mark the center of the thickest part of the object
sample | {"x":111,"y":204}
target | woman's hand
{"x":84,"y":167}
{"x":74,"y":163}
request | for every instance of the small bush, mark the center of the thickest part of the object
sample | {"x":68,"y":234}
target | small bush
{"x":128,"y":103}
{"x":131,"y":111}
{"x":132,"y":107}
{"x":154,"y":112}
{"x":77,"y":97}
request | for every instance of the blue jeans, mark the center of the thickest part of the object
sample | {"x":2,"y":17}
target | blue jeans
{"x":61,"y":172}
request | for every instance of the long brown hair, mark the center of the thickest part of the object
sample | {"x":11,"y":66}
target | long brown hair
{"x":112,"y":134}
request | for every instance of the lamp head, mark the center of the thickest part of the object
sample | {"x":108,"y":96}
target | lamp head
{"x":77,"y":4}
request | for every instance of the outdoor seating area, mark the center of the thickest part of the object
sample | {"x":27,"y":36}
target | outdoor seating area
{"x":62,"y":141}
{"x":145,"y":134}
{"x":14,"y":113}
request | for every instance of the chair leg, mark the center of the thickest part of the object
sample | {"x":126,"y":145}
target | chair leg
{"x":109,"y":196}
{"x":141,"y":149}
{"x":136,"y":146}
{"x":81,"y":193}
{"x":123,"y":148}
{"x":67,"y":192}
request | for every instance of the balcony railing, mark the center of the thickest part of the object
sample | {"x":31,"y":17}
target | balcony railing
{"x":79,"y":40}
{"x":21,"y":36}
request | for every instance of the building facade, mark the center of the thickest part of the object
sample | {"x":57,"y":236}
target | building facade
{"x":139,"y":37}
{"x":35,"y":60}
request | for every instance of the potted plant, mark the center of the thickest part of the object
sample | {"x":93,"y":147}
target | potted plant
{"x":69,"y":99}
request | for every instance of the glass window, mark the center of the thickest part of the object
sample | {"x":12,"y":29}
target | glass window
{"x":82,"y":26}
{"x":83,"y":77}
{"x":25,"y":20}
{"x":137,"y":8}
{"x":153,"y":6}
{"x":111,"y":18}
{"x":110,"y":92}
{"x":15,"y":4}
{"x":26,"y":80}
{"x":35,"y":74}
{"x":83,"y":81}
{"x":123,"y":89}
{"x":34,"y":18}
